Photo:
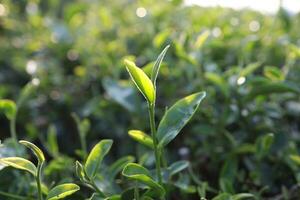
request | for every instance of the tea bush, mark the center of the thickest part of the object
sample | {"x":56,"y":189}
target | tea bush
{"x":64,"y":87}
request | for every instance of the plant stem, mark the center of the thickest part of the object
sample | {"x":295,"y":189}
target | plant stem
{"x":38,"y":180}
{"x":136,"y":192}
{"x":83,"y":145}
{"x":12,"y":127}
{"x":156,"y":150}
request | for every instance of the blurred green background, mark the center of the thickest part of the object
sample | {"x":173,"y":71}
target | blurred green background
{"x":72,"y":53}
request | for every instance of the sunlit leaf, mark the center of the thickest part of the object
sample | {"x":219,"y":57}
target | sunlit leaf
{"x":201,"y":39}
{"x":96,"y":156}
{"x":61,"y":191}
{"x":157,"y":64}
{"x":273,"y":73}
{"x":141,"y":80}
{"x":295,"y":159}
{"x":139,"y":173}
{"x":177,"y":116}
{"x":19,"y":163}
{"x":141,"y":137}
{"x":8,"y":107}
{"x":37,"y":151}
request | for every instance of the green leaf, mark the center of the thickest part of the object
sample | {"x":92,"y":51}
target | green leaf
{"x":157,"y":64}
{"x":274,"y":73}
{"x":52,"y":144}
{"x":19,"y":163}
{"x":37,"y":151}
{"x":26,"y":91}
{"x":122,"y":93}
{"x":141,"y":137}
{"x":242,"y":196}
{"x":178,"y":167}
{"x":96,"y":156}
{"x":80,"y":171}
{"x":267,"y":88}
{"x":295,"y":159}
{"x":263,"y":144}
{"x":177,"y":117}
{"x":249,"y":69}
{"x":61,"y":191}
{"x":139,"y":173}
{"x":8,"y":107}
{"x":141,"y":80}
{"x":223,"y":196}
{"x":201,"y":39}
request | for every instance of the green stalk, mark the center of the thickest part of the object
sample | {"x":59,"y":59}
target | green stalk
{"x":83,"y":144}
{"x":136,"y":192}
{"x":38,"y":180}
{"x":12,"y":127}
{"x":156,"y":150}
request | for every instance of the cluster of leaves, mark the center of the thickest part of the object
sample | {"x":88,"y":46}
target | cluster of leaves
{"x":244,"y":140}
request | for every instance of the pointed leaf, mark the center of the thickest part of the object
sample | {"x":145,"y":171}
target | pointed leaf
{"x":139,"y":173}
{"x":37,"y":151}
{"x":8,"y":107}
{"x":176,"y":117}
{"x":141,"y":137}
{"x":96,"y":156}
{"x":157,"y":64}
{"x":61,"y":191}
{"x":141,"y":80}
{"x":19,"y":163}
{"x":80,"y":171}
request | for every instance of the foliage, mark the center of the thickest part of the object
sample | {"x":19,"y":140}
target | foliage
{"x":64,"y":86}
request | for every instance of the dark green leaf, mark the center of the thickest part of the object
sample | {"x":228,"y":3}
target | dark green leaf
{"x":176,"y":117}
{"x":137,"y":172}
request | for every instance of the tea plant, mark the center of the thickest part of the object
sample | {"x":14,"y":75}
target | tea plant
{"x":57,"y":192}
{"x":174,"y":119}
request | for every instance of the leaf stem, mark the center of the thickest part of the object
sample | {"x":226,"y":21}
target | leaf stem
{"x":38,"y":180}
{"x":153,"y":133}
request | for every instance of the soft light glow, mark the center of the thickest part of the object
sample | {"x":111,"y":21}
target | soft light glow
{"x":216,"y":32}
{"x":141,"y":12}
{"x":31,"y":67}
{"x":32,"y":8}
{"x":254,"y":26}
{"x":241,"y":80}
{"x":72,"y":55}
{"x":2,"y":10}
{"x":35,"y":81}
{"x":266,"y":6}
